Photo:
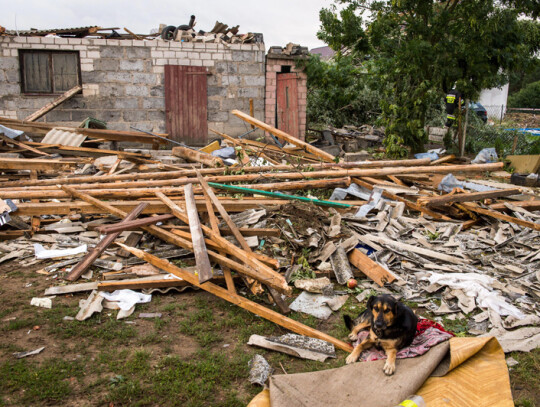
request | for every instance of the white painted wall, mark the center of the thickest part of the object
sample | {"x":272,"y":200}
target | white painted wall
{"x":494,"y":98}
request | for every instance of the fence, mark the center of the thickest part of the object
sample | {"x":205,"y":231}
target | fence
{"x":498,"y":112}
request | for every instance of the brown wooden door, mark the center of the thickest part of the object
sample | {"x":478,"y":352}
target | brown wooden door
{"x":287,"y":104}
{"x":186,"y":103}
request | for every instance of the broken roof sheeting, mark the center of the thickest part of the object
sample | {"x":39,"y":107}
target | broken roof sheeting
{"x":65,"y":138}
{"x":75,"y":32}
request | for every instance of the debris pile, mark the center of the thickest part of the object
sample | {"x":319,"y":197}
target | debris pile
{"x":251,"y":217}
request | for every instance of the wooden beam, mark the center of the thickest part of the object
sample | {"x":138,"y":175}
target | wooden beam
{"x":154,"y":207}
{"x":34,"y":164}
{"x":370,"y":268}
{"x":501,"y":216}
{"x":89,"y":259}
{"x":529,"y":205}
{"x":466,"y":197}
{"x":198,"y":157}
{"x":284,"y":136}
{"x":57,"y":102}
{"x":134,"y":224}
{"x":201,"y":257}
{"x":242,"y":302}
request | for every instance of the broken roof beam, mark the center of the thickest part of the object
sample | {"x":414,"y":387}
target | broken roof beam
{"x":34,"y":164}
{"x":466,"y":197}
{"x":284,"y":136}
{"x":501,"y":216}
{"x":155,"y":207}
{"x":242,"y":302}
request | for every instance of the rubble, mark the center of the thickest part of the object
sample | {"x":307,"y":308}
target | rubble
{"x":429,"y":232}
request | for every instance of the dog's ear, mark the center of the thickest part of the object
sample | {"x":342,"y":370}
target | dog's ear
{"x":370,"y":301}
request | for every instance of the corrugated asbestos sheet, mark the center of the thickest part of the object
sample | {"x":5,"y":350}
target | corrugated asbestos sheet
{"x":66,"y":31}
{"x":65,"y":138}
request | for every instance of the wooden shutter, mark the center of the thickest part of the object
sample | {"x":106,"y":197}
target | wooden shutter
{"x":65,"y":71}
{"x":37,"y":74}
{"x":186,"y":103}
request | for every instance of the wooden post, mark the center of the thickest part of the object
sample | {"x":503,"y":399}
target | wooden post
{"x":251,"y":111}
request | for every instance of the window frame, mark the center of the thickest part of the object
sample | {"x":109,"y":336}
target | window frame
{"x":50,"y":53}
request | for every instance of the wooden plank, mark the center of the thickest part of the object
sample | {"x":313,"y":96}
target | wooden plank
{"x":242,"y":302}
{"x":201,"y":258}
{"x":57,"y":102}
{"x":215,"y":228}
{"x":157,"y":207}
{"x":21,"y":145}
{"x":467,"y":197}
{"x":256,"y":269}
{"x":134,"y":224}
{"x":261,"y":272}
{"x":284,"y":136}
{"x":501,"y":216}
{"x":444,"y":159}
{"x":132,"y":240}
{"x":370,"y":268}
{"x":89,"y":259}
{"x":529,"y":205}
{"x":34,"y":164}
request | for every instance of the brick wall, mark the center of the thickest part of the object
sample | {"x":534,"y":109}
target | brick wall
{"x":123,"y":81}
{"x":274,"y":66}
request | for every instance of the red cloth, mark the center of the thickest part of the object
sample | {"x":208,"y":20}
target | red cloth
{"x":424,"y":324}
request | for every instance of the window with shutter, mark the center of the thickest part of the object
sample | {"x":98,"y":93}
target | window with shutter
{"x":49,"y":71}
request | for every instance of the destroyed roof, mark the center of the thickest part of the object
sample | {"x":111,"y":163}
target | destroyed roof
{"x":68,"y":32}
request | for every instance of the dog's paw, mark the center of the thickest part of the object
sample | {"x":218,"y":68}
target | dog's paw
{"x":351,"y":359}
{"x":353,"y":337}
{"x":389,"y":369}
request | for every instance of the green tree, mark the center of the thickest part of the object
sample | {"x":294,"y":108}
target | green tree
{"x":418,"y":49}
{"x":528,"y":97}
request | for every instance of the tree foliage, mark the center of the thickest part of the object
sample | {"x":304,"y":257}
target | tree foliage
{"x":339,"y":93}
{"x":528,"y":97}
{"x":418,"y":49}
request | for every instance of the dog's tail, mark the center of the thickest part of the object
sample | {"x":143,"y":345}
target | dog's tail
{"x":348,"y":322}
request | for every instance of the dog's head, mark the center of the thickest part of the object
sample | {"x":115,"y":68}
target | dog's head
{"x":384,"y":309}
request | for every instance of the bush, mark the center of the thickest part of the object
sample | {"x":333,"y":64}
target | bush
{"x":528,"y":97}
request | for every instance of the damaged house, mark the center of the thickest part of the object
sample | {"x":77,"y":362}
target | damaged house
{"x":183,"y":88}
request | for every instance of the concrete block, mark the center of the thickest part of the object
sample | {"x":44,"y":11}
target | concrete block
{"x":243,"y":56}
{"x":134,"y":115}
{"x":251,"y":69}
{"x":226,"y":67}
{"x":154,"y":103}
{"x":155,"y":115}
{"x":146,"y":78}
{"x":217,"y":56}
{"x":216,"y":91}
{"x":106,"y":64}
{"x":208,"y":62}
{"x":19,"y":40}
{"x":136,"y":90}
{"x":91,"y":54}
{"x":157,"y":91}
{"x":112,"y":52}
{"x":126,"y":103}
{"x":206,"y":55}
{"x":248,"y":93}
{"x":59,"y":115}
{"x":193,"y":55}
{"x":112,"y":89}
{"x":132,"y":64}
{"x":80,"y":115}
{"x":254,"y":80}
{"x":138,"y":52}
{"x":196,"y":62}
{"x":10,"y":89}
{"x":218,"y":116}
{"x":228,"y":80}
{"x":199,"y":45}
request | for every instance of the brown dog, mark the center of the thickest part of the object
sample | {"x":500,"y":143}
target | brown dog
{"x":392,"y":326}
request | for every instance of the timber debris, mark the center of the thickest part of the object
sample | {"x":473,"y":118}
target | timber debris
{"x":242,"y":216}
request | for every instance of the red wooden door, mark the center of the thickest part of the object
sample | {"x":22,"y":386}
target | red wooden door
{"x":287,"y":104}
{"x":186,"y":103}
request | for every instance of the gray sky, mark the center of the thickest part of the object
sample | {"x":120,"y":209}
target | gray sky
{"x":281,"y":21}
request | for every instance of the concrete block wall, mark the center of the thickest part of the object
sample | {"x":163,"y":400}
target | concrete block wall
{"x":274,"y":66}
{"x":123,"y":81}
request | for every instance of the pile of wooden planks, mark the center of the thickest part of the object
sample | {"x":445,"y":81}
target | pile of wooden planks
{"x":195,"y":209}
